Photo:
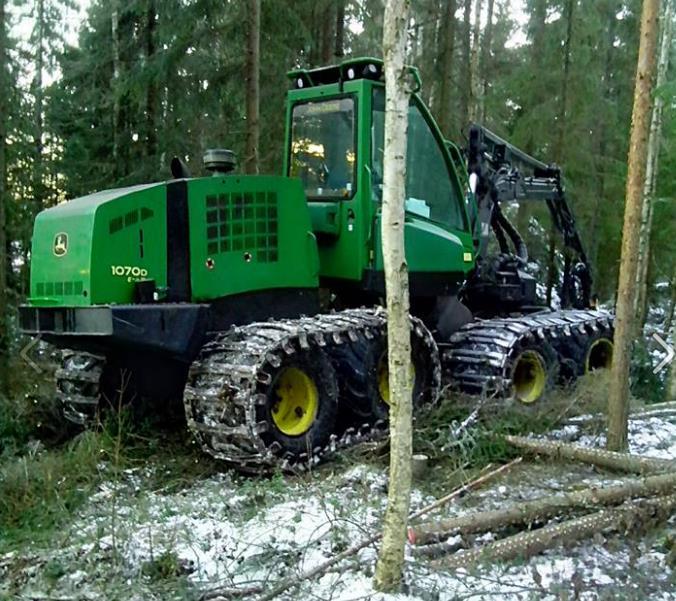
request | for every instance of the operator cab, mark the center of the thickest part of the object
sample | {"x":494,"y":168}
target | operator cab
{"x":335,"y":144}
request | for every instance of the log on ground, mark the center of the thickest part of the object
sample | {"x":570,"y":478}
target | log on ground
{"x":630,"y":516}
{"x":601,"y":458}
{"x":541,"y":509}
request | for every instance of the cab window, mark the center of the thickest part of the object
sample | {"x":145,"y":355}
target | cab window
{"x":323,"y":147}
{"x":429,"y":189}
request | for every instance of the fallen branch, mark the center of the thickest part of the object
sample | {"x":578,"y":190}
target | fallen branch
{"x":599,"y":457}
{"x":526,"y":544}
{"x":440,"y":549}
{"x":541,"y":509}
{"x":230,"y":593}
{"x":656,"y":410}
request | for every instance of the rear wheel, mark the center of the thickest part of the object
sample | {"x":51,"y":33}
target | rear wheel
{"x":599,"y":354}
{"x":586,"y":351}
{"x":301,"y":404}
{"x":362,"y":367}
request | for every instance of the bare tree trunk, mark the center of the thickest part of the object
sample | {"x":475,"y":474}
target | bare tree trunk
{"x":4,"y":103}
{"x":443,"y":112}
{"x":115,"y":38}
{"x":652,"y":168}
{"x":618,"y":398}
{"x":253,"y":66}
{"x":339,"y":50}
{"x":599,"y":457}
{"x":37,"y":179}
{"x":37,"y":86}
{"x":466,"y":71}
{"x":538,"y":510}
{"x":671,"y":386}
{"x":609,"y":14}
{"x":474,"y":79}
{"x":391,"y":557}
{"x":559,"y":151}
{"x":327,"y":36}
{"x":536,"y":32}
{"x":426,"y":53}
{"x":526,"y":544}
{"x":486,"y":58}
{"x":151,"y":92}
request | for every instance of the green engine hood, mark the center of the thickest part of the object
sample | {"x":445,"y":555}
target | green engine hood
{"x":91,"y":250}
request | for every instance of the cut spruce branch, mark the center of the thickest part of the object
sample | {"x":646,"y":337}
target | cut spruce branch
{"x":630,"y":516}
{"x":218,"y":594}
{"x":599,"y":457}
{"x":541,"y":509}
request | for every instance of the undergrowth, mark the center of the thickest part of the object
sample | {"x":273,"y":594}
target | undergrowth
{"x":41,"y":486}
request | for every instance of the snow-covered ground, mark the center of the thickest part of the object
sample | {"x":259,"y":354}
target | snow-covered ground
{"x":224,"y":531}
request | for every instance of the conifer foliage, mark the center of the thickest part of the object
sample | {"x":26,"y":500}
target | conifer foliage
{"x":105,"y":96}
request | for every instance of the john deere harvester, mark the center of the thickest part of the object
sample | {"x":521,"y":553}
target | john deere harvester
{"x":256,"y":299}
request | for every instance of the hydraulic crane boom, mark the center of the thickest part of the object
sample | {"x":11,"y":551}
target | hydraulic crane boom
{"x":504,"y":173}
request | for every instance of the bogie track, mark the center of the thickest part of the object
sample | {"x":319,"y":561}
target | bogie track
{"x":230,"y":398}
{"x":487,"y":357}
{"x":283,"y":394}
{"x":78,"y":386}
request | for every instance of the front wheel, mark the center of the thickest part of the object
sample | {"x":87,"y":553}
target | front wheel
{"x":301,"y":404}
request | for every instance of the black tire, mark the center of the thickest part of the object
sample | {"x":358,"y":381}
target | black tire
{"x":533,"y":368}
{"x":582,"y":353}
{"x":358,"y":364}
{"x":317,"y":368}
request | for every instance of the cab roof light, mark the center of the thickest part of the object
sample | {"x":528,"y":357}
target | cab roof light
{"x":359,"y":68}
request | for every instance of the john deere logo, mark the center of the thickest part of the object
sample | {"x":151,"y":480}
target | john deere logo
{"x":60,"y":244}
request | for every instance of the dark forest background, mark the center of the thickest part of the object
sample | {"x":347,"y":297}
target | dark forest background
{"x":150,"y":79}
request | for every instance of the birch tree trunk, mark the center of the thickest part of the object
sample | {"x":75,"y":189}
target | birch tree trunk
{"x":652,"y":168}
{"x":4,"y":103}
{"x":618,"y":397}
{"x":253,"y":66}
{"x":391,"y":558}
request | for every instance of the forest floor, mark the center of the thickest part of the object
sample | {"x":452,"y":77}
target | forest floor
{"x":174,"y":525}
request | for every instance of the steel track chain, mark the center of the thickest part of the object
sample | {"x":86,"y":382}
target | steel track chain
{"x":477,"y":357}
{"x":230,"y":376}
{"x":78,"y":386}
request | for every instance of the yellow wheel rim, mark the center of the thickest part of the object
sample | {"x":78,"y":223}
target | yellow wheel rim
{"x":529,"y":378}
{"x":383,"y":376}
{"x":298,"y":400}
{"x":599,"y":356}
